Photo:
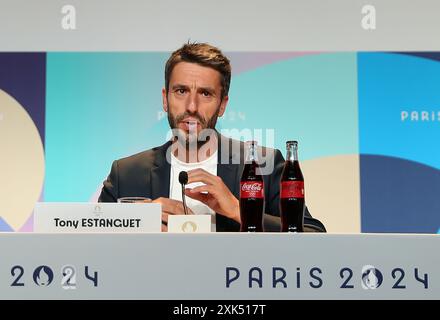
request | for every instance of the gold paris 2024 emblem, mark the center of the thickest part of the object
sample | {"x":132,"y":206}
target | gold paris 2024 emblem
{"x":189,"y":226}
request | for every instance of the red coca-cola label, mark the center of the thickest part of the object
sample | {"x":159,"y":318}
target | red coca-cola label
{"x":292,"y":189}
{"x":251,"y":189}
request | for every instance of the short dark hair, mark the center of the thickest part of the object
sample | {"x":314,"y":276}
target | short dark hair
{"x":204,"y":55}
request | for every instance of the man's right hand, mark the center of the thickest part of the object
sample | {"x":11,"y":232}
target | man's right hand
{"x":170,"y":206}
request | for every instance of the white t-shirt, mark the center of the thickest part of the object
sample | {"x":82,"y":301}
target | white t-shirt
{"x":209,"y":165}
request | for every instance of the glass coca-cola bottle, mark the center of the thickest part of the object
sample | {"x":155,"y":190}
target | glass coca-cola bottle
{"x":251,"y":192}
{"x":292,"y":194}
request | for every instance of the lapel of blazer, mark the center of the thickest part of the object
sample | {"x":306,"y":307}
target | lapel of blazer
{"x":229,"y":165}
{"x":160,"y":173}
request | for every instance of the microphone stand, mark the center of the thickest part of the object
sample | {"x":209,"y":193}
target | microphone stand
{"x":183,"y":179}
{"x":183,"y":199}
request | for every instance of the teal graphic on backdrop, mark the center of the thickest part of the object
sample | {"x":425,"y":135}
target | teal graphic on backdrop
{"x":311,"y":98}
{"x":100,"y":107}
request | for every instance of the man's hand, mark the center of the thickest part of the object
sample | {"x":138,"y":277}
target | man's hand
{"x":215,"y":194}
{"x":170,"y":206}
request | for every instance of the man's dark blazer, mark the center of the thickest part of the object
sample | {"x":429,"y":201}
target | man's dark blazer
{"x":147,"y":174}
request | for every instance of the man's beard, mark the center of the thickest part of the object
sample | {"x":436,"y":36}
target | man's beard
{"x":193,"y":138}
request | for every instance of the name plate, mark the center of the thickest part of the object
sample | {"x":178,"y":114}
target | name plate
{"x":191,"y":223}
{"x":97,"y":217}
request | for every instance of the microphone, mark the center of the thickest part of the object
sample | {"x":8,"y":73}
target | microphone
{"x":183,"y":179}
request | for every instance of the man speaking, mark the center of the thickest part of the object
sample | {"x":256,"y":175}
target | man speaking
{"x":197,"y":79}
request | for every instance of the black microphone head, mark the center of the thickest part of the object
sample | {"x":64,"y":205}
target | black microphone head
{"x":183,"y":177}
